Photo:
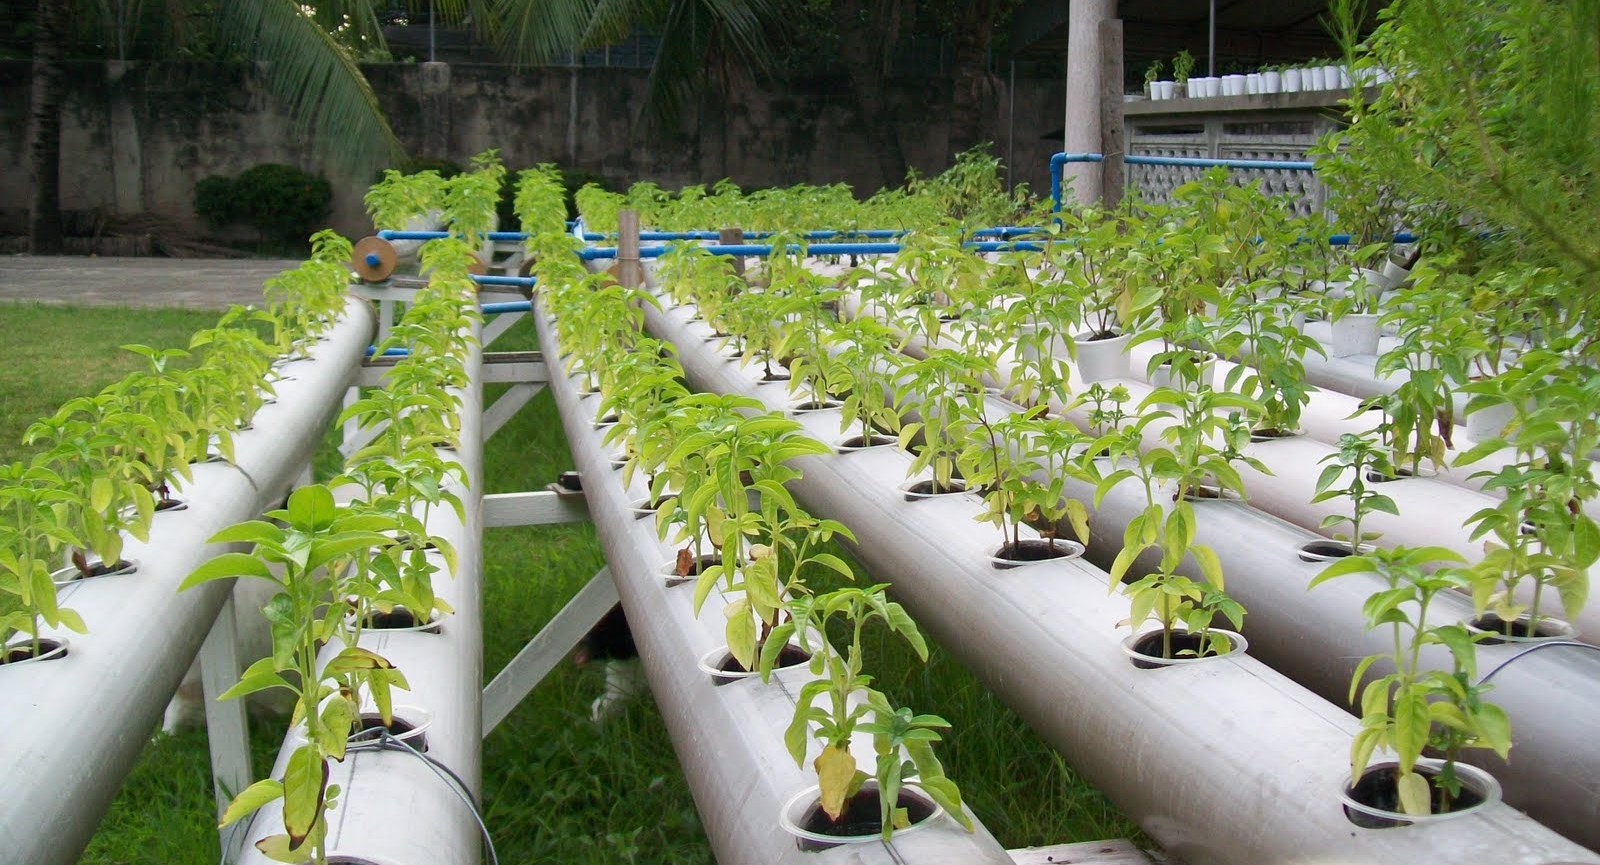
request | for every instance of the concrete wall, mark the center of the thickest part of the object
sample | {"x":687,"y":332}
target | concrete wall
{"x":138,"y":137}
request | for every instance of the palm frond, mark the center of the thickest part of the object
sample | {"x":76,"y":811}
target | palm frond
{"x":699,"y":33}
{"x":533,"y":31}
{"x":318,"y":79}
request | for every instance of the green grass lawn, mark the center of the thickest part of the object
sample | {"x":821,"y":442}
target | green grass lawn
{"x":556,"y":788}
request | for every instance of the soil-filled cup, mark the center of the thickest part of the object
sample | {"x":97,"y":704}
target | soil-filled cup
{"x":861,"y":443}
{"x":401,"y":620}
{"x":1548,"y":629}
{"x":688,"y":568}
{"x":20,"y":651}
{"x":1033,"y":551}
{"x":1373,"y":802}
{"x":1272,"y":434}
{"x":409,"y":724}
{"x":1327,"y":551}
{"x":811,"y":405}
{"x":724,"y":669}
{"x":925,"y":489}
{"x":1144,"y":649}
{"x":860,"y":823}
{"x":69,"y":575}
{"x":1101,"y":356}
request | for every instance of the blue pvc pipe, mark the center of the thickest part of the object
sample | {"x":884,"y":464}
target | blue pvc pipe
{"x":815,"y":249}
{"x":389,"y":352}
{"x":372,"y":259}
{"x":390,"y":234}
{"x":517,"y":281}
{"x":507,"y":306}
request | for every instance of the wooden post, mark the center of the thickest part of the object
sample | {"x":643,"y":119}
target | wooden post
{"x":733,"y":236}
{"x":629,"y":273}
{"x":1111,"y":129}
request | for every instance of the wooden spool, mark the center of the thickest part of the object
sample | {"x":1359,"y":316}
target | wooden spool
{"x":369,"y":250}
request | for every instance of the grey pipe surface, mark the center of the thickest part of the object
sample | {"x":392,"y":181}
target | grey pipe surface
{"x":729,"y":738}
{"x":1222,"y":762}
{"x":75,"y":726}
{"x":394,"y":810}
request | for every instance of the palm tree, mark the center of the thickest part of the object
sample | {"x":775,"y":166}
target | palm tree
{"x":44,"y":127}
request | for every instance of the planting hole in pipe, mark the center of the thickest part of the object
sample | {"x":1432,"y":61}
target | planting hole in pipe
{"x":687,"y":567}
{"x":1373,"y":802}
{"x":1145,"y":650}
{"x":122,"y":568}
{"x":1376,"y":477}
{"x":400,"y":619}
{"x":169,"y":504}
{"x":1518,"y":630}
{"x":1326,"y":551}
{"x":610,"y":418}
{"x":859,"y":823}
{"x":927,"y":489}
{"x":1211,"y":492}
{"x":724,"y":668}
{"x":1267,"y":434}
{"x":641,"y":508}
{"x":813,"y":405}
{"x":1033,"y":550}
{"x":861,"y":443}
{"x":21,"y":652}
{"x":409,"y":724}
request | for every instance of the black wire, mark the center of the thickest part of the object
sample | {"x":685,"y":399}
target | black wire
{"x":388,"y":741}
{"x":1553,"y":643}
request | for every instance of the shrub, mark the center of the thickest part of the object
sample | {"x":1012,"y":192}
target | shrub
{"x":280,"y":201}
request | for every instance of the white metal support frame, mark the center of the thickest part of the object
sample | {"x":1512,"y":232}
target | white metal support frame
{"x":524,"y":672}
{"x":227,"y":729}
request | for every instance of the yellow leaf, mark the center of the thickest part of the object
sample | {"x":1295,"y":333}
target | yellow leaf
{"x":836,"y":768}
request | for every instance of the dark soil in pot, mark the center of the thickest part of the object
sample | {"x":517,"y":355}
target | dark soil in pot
{"x":607,"y":419}
{"x":862,"y":816}
{"x":866,"y":442}
{"x":774,"y":376}
{"x":689,"y":567}
{"x":1493,"y":624}
{"x":1184,"y":645}
{"x":927,"y":488}
{"x":397,"y":726}
{"x":1378,"y":789}
{"x":1376,"y":477}
{"x":789,"y":656}
{"x":409,"y":543}
{"x":1319,"y":551}
{"x":1102,"y":336}
{"x":397,"y":619}
{"x":101,"y":569}
{"x":24,"y":651}
{"x":815,"y":405}
{"x":1267,"y":434}
{"x":170,"y":505}
{"x":1032,"y":550}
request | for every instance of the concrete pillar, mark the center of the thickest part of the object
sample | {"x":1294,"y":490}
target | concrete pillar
{"x":1082,"y":180}
{"x":127,"y":156}
{"x":435,"y":106}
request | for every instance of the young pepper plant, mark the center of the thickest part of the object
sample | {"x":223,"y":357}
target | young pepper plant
{"x":310,"y":547}
{"x":1357,"y":455}
{"x":849,"y":699}
{"x":1411,"y":708}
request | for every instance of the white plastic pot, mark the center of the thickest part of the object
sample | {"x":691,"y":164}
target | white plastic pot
{"x":1252,"y":83}
{"x":1101,"y":359}
{"x":1472,"y":779}
{"x":1355,"y":334}
{"x":1292,"y":80}
{"x":1233,"y":85}
{"x":1332,"y":77}
{"x":794,"y":815}
{"x":1271,"y":81}
{"x":1311,"y":78}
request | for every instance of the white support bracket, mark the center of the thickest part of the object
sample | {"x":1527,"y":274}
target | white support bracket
{"x":509,"y":403}
{"x":227,"y":728}
{"x":514,"y":366}
{"x":499,"y":325}
{"x":558,"y":637}
{"x":542,"y":508}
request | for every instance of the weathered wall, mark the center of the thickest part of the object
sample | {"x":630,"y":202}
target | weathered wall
{"x":138,"y":137}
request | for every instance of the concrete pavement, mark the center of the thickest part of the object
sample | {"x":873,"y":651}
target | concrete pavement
{"x":147,"y":282}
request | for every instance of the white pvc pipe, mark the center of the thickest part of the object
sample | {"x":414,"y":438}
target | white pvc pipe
{"x":1226,"y":761}
{"x":394,"y":810}
{"x":74,"y":726}
{"x":729,"y":738}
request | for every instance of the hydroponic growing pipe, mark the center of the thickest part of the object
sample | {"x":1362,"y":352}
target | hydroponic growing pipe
{"x":394,"y":809}
{"x":1226,"y":761}
{"x":74,"y":726}
{"x":728,"y":738}
{"x":1317,"y":637}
